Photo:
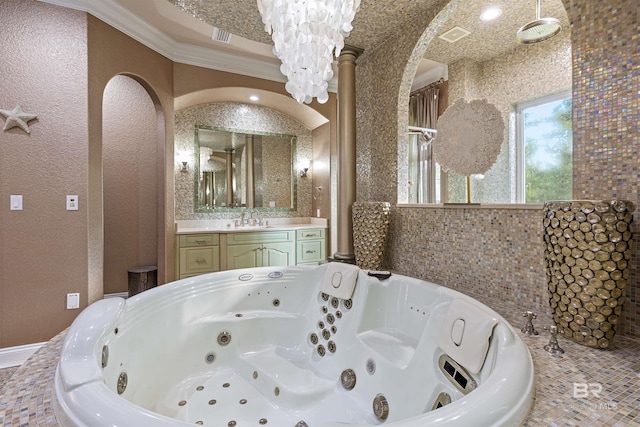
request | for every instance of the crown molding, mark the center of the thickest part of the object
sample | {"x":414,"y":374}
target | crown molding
{"x":222,"y":61}
{"x":123,"y":20}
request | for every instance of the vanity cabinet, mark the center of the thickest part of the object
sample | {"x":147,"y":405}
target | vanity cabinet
{"x":209,"y":252}
{"x":310,"y":246}
{"x":263,"y":249}
{"x":198,"y":254}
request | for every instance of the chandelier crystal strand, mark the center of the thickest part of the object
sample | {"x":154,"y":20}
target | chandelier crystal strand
{"x":305,"y":35}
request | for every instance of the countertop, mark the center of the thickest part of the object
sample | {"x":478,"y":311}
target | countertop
{"x":227,"y":225}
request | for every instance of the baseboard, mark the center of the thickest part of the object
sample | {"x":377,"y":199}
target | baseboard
{"x":16,"y":356}
{"x":117,"y":295}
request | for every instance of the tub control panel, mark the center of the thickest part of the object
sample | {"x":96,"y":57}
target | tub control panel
{"x":455,"y":373}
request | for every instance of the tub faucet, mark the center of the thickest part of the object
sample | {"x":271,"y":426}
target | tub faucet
{"x":528,"y":326}
{"x":553,"y":347}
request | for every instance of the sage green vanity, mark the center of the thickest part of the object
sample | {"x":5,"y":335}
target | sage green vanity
{"x":207,"y":249}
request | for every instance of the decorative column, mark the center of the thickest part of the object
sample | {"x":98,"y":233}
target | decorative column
{"x":587,"y":253}
{"x":346,"y":152}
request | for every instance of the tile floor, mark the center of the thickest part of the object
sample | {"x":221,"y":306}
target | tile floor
{"x":606,"y":384}
{"x":5,"y":374}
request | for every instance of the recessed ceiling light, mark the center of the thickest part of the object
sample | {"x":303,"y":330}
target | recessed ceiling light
{"x":491,"y":13}
{"x":254,"y":98}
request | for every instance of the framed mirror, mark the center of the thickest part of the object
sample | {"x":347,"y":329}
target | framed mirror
{"x":243,"y":169}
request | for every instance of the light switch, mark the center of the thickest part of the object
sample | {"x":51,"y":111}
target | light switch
{"x":16,"y":202}
{"x":72,"y":203}
{"x":73,"y":301}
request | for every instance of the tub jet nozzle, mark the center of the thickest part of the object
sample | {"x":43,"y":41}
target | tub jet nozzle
{"x":348,"y":379}
{"x":380,"y":407}
{"x":224,"y":338}
{"x":122,"y":382}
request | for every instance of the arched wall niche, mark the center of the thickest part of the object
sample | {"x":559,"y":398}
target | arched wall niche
{"x":433,"y":28}
{"x":319,"y":119}
{"x":132,"y":163}
{"x":383,"y":82}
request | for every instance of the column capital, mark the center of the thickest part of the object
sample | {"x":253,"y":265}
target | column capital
{"x":349,"y":51}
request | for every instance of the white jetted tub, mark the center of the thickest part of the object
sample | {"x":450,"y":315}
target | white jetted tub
{"x":293,"y":346}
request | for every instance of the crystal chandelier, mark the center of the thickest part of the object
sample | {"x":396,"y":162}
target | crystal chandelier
{"x":305,"y":34}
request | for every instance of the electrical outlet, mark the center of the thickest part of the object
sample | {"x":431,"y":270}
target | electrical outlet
{"x":73,"y":301}
{"x":72,"y":203}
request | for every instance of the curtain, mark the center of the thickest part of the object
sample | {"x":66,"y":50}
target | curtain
{"x":423,"y":112}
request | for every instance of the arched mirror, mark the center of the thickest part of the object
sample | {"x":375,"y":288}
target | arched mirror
{"x":476,"y":58}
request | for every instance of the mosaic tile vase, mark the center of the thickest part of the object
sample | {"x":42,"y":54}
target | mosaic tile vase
{"x":370,"y":227}
{"x":587,"y":254}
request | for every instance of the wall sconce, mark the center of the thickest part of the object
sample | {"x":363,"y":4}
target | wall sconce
{"x":184,"y":168}
{"x":304,"y":166}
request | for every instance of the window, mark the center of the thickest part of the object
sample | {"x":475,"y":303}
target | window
{"x":544,"y":149}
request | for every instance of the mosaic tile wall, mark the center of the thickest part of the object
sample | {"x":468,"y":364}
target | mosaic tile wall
{"x":493,"y":254}
{"x":481,"y":251}
{"x":606,"y":133}
{"x":243,"y":117}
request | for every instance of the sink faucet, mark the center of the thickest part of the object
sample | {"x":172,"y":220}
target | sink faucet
{"x":240,"y":222}
{"x":257,"y":220}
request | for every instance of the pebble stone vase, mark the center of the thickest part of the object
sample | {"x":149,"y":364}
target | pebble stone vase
{"x":370,"y":227}
{"x":587,"y":254}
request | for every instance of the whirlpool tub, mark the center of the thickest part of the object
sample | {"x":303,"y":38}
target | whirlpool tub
{"x":293,"y":347}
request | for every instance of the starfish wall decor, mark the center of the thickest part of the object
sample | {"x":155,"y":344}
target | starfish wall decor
{"x":17,"y":117}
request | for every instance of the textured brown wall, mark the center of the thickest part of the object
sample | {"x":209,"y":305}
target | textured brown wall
{"x":43,"y":248}
{"x":189,"y":79}
{"x":56,"y":63}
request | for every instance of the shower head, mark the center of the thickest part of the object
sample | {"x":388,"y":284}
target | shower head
{"x":539,"y":30}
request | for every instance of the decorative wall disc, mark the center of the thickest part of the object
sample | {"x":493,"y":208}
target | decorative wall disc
{"x":470,"y":135}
